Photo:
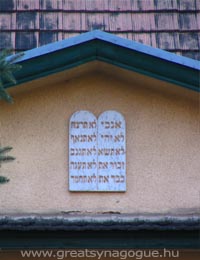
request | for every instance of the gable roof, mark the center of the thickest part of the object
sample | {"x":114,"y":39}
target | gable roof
{"x":172,"y":25}
{"x":101,"y":46}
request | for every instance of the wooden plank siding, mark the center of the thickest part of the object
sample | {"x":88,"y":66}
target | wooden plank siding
{"x":172,"y":25}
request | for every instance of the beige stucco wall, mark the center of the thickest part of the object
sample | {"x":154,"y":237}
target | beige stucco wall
{"x":162,"y":144}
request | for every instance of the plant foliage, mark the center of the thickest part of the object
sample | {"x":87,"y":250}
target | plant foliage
{"x":7,"y":68}
{"x":5,"y":158}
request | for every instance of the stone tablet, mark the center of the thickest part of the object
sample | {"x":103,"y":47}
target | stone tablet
{"x":83,"y":152}
{"x":111,"y":152}
{"x":97,"y":152}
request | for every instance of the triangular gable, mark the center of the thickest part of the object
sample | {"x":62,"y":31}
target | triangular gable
{"x":102,"y":46}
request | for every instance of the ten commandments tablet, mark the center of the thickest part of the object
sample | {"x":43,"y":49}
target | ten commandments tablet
{"x":97,"y":152}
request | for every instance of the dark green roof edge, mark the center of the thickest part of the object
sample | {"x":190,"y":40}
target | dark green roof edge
{"x":98,"y":45}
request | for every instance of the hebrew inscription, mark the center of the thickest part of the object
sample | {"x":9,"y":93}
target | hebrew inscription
{"x":97,"y":152}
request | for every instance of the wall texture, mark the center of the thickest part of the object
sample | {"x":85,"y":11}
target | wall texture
{"x":162,"y":146}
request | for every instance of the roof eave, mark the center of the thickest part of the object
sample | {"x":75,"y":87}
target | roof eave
{"x":98,"y":45}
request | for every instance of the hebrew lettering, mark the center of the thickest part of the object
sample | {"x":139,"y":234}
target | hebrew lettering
{"x":97,"y":152}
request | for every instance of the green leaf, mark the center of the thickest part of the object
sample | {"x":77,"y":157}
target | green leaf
{"x":6,"y":158}
{"x":8,"y":76}
{"x":3,"y":157}
{"x":5,"y":149}
{"x":3,"y":180}
{"x":5,"y":96}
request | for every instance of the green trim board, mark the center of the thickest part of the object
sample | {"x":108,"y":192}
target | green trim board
{"x":102,"y":46}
